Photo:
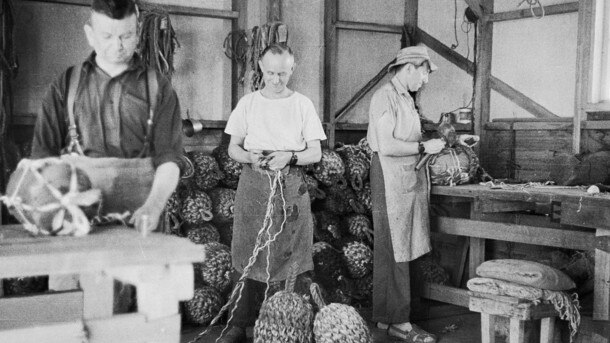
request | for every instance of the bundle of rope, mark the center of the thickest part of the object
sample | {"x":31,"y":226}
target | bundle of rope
{"x":52,"y":197}
{"x":533,"y":4}
{"x":158,"y":40}
{"x":263,"y":36}
{"x":264,"y":239}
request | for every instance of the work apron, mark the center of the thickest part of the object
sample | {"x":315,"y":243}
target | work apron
{"x":406,"y":195}
{"x":293,"y":244}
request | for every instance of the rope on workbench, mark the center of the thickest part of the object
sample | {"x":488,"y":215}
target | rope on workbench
{"x":526,"y":185}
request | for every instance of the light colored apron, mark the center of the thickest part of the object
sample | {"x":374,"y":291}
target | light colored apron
{"x":406,"y":193}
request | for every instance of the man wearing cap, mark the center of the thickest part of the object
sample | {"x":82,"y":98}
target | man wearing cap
{"x":399,"y":192}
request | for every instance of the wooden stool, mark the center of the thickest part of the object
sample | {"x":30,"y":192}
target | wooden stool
{"x":517,"y":310}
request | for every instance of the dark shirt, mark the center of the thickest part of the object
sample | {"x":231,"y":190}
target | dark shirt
{"x":111,"y":114}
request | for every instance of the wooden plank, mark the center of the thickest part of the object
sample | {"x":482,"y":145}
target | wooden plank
{"x":542,"y":126}
{"x":516,"y":331}
{"x":367,"y":27}
{"x":494,"y":126}
{"x":411,"y":12}
{"x":362,"y":92}
{"x":446,"y":52}
{"x":98,"y":296}
{"x":172,"y":9}
{"x":158,"y":287}
{"x":547,"y":330}
{"x":134,"y":327}
{"x":596,"y":125}
{"x":514,"y":233}
{"x":492,"y":206}
{"x":535,"y":120}
{"x":583,"y":67}
{"x":237,"y":87}
{"x":488,"y":330}
{"x":477,"y":255}
{"x":67,"y":332}
{"x":446,"y":294}
{"x":482,"y":85}
{"x":601,"y":305}
{"x":569,"y":7}
{"x":520,"y":99}
{"x":524,"y":311}
{"x":599,"y":107}
{"x":40,"y":309}
{"x":105,"y":247}
{"x":330,"y":62}
{"x":603,"y":243}
{"x":500,"y":298}
{"x":577,"y":214}
{"x":274,"y":10}
{"x":477,"y":245}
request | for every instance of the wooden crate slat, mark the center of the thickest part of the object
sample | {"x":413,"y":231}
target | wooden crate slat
{"x":40,"y":309}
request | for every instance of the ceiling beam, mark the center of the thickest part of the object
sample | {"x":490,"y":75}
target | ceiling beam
{"x":569,"y":7}
{"x":520,"y":99}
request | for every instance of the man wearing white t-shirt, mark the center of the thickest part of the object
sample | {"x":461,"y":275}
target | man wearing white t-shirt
{"x":272,"y":129}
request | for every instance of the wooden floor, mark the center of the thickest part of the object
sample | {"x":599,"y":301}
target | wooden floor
{"x":461,"y":328}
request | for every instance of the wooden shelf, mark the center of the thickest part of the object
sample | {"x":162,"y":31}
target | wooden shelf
{"x":172,"y":9}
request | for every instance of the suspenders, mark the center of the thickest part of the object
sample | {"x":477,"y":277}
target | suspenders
{"x":152,"y":90}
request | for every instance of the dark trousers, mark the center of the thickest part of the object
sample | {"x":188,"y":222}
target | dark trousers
{"x":391,"y":283}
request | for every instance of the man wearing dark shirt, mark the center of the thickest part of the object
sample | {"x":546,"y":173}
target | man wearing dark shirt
{"x":111,"y":107}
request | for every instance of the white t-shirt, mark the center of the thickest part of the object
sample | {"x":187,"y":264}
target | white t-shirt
{"x":275,"y":124}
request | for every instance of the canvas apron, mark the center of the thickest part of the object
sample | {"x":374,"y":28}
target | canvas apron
{"x":406,"y":193}
{"x":293,"y":244}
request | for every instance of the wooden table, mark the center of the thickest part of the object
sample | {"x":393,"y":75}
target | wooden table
{"x":549,"y":216}
{"x":160,"y":267}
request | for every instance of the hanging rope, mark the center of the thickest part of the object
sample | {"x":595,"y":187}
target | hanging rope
{"x":532,"y":4}
{"x":158,"y":40}
{"x":264,"y":239}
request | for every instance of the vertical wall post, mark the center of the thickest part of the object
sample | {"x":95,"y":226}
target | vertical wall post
{"x":330,"y":60}
{"x":583,"y":68}
{"x":482,"y":93}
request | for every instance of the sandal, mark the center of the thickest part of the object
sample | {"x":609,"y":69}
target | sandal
{"x":416,"y":335}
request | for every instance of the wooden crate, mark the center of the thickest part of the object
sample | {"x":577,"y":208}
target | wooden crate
{"x":159,"y":266}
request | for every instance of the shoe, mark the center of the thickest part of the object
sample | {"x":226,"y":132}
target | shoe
{"x":234,"y":334}
{"x":415,"y":335}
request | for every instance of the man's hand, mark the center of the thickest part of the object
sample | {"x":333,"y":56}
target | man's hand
{"x":279,"y":159}
{"x":468,"y":140}
{"x":146,"y":218}
{"x":433,"y":146}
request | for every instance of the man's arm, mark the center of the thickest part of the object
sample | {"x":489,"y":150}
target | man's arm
{"x":311,"y":154}
{"x":239,"y":154}
{"x":390,"y":146}
{"x":166,"y":149}
{"x":146,"y":218}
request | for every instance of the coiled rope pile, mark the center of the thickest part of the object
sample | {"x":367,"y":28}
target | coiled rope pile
{"x":264,"y":239}
{"x":158,"y":40}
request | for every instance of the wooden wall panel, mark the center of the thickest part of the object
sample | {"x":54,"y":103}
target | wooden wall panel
{"x":530,"y":158}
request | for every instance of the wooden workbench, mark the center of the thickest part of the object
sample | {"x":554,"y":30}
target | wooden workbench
{"x":550,"y":216}
{"x":160,"y":267}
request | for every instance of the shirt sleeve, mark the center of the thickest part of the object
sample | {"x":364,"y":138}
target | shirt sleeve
{"x":51,"y":128}
{"x":237,"y":125}
{"x":312,"y":126}
{"x":167,"y":133}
